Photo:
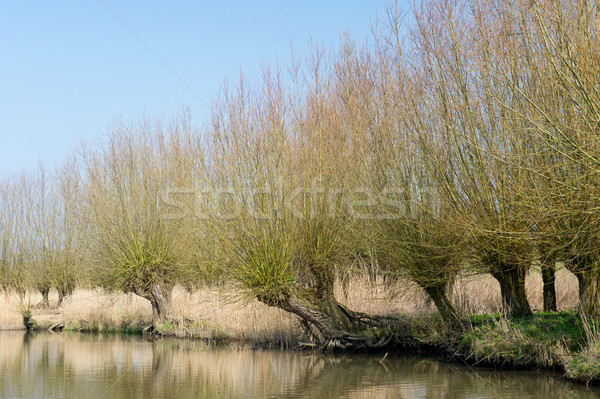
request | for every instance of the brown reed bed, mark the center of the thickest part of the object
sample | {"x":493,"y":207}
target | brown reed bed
{"x":217,"y":312}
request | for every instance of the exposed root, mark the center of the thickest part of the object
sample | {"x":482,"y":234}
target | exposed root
{"x":345,"y":341}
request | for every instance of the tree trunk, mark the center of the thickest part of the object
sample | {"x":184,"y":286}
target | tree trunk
{"x":61,"y":296}
{"x":160,"y":299}
{"x":45,"y":291}
{"x":512,"y":288}
{"x":437,"y":293}
{"x":65,"y":287}
{"x":62,"y":293}
{"x":549,"y":290}
{"x":585,"y":268}
{"x":337,"y":325}
{"x":589,"y":287}
{"x":316,"y":306}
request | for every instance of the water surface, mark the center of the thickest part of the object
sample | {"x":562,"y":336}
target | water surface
{"x":71,"y":365}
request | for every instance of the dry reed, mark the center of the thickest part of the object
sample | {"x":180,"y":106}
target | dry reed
{"x":213,"y":313}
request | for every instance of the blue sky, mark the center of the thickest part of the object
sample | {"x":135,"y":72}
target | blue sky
{"x":70,"y":68}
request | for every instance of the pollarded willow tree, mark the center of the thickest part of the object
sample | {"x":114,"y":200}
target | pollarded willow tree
{"x":485,"y":140}
{"x":38,"y":231}
{"x":540,"y":60}
{"x":51,"y":235}
{"x":408,"y":229}
{"x":511,"y":54}
{"x":561,"y":106}
{"x":70,"y":271}
{"x":7,"y":227}
{"x":13,"y":248}
{"x":281,"y":169}
{"x":514,"y":98}
{"x":135,"y":244}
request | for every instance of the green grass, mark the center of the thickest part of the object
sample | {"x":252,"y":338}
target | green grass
{"x":166,"y":328}
{"x":543,"y":339}
{"x":95,"y":327}
{"x":219,"y":335}
{"x":584,"y":366}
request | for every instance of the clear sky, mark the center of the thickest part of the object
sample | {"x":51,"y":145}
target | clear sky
{"x":68,"y":69}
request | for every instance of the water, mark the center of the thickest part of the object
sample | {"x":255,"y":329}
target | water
{"x":70,"y":365}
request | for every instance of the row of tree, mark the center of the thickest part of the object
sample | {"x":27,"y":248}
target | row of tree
{"x":462,"y":137}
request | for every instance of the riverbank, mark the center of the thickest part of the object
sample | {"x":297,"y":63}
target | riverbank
{"x":545,"y":340}
{"x":556,"y":341}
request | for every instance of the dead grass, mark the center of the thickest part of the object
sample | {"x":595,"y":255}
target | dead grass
{"x":366,"y":296}
{"x":481,"y":294}
{"x":10,"y":313}
{"x":215,"y":313}
{"x":219,"y":314}
{"x":206,"y":313}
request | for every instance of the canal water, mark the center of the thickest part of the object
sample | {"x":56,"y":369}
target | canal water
{"x":73,"y":365}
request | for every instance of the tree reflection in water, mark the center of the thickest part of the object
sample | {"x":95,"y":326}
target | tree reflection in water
{"x":71,"y":365}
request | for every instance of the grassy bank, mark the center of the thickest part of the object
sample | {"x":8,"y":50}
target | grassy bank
{"x":559,"y":340}
{"x":544,"y":340}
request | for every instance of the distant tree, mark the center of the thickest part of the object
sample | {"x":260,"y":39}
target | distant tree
{"x":135,"y":246}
